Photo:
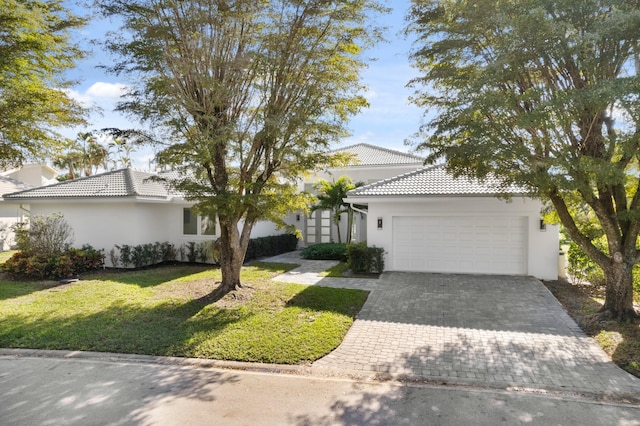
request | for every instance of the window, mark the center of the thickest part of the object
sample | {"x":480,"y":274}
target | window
{"x":192,"y":224}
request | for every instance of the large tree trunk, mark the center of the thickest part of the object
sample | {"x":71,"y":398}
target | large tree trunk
{"x":619,"y":292}
{"x":232,"y":253}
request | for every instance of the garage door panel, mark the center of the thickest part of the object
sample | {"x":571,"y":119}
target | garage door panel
{"x":466,"y":244}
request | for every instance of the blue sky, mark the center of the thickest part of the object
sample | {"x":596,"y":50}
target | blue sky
{"x":388,"y":122}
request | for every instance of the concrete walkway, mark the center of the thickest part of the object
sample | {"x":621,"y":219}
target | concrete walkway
{"x":495,"y":331}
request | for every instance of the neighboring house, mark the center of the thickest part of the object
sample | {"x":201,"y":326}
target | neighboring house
{"x":33,"y":174}
{"x":19,"y":179}
{"x":123,"y":207}
{"x":10,"y":214}
{"x":369,"y":164}
{"x":429,"y":221}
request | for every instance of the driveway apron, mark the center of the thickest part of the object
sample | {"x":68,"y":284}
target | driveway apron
{"x":496,"y":331}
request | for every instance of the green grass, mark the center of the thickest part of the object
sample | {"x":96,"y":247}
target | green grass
{"x":165,"y":311}
{"x":341,"y":270}
{"x":336,"y":271}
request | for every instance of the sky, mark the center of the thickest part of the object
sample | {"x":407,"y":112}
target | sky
{"x":388,"y":122}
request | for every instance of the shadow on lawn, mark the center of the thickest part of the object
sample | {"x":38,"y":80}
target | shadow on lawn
{"x":10,"y":289}
{"x":167,"y":329}
{"x":318,"y":298}
{"x":149,"y":276}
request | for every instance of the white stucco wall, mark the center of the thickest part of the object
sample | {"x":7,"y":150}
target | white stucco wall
{"x":542,"y":248}
{"x":9,"y":215}
{"x":105,"y":224}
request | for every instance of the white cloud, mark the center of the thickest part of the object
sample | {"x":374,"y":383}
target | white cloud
{"x":107,"y":90}
{"x":84,"y":99}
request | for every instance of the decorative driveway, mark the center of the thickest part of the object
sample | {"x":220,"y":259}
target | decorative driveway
{"x":495,"y":331}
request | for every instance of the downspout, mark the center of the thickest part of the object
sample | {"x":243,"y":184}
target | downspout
{"x":355,"y":209}
{"x":24,"y":210}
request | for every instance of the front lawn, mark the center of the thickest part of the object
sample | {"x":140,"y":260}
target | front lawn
{"x":167,"y":311}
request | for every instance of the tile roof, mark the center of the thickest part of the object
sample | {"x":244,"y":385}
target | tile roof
{"x":434,"y":181}
{"x":370,"y":155}
{"x":118,"y":183}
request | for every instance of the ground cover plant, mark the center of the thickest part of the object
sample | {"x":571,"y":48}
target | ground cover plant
{"x":168,"y":311}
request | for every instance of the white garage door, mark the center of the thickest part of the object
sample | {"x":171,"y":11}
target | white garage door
{"x":484,"y":245}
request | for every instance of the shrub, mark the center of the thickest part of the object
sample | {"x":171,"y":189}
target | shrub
{"x":86,"y":258}
{"x":125,"y":255}
{"x":143,"y":254}
{"x":326,"y":251}
{"x":46,"y":235}
{"x":581,"y":268}
{"x":167,"y":251}
{"x":192,"y":252}
{"x":115,"y":259}
{"x":270,"y":246}
{"x":363,"y":259}
{"x":63,"y":265}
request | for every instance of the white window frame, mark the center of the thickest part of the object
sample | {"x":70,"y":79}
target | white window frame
{"x":199,"y":225}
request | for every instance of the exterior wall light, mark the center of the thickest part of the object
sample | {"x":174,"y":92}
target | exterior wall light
{"x":298,"y":217}
{"x":543,"y":226}
{"x":379,"y":223}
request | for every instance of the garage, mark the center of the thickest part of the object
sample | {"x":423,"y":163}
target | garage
{"x":460,"y":244}
{"x":431,"y":221}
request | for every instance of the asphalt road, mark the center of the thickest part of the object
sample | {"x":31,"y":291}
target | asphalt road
{"x":98,"y":391}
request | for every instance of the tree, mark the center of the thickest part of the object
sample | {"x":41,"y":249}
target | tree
{"x":35,"y":51}
{"x":84,"y":154}
{"x":542,"y":94}
{"x":250,"y":95}
{"x":331,"y":196}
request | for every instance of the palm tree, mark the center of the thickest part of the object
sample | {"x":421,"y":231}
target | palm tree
{"x":331,"y":196}
{"x":72,"y":160}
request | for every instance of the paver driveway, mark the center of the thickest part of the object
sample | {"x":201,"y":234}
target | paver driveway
{"x":486,"y":330}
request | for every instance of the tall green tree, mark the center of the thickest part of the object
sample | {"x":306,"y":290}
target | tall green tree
{"x":36,"y":49}
{"x":250,"y":95}
{"x":545,"y":94}
{"x":330,"y":197}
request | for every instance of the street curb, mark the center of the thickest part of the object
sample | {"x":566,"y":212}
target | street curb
{"x":310,"y":371}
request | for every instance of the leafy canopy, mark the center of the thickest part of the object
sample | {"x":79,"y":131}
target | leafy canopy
{"x":35,"y":51}
{"x":249,"y":95}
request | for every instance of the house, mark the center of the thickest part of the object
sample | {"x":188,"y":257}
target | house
{"x":123,"y":207}
{"x":33,"y":174}
{"x":368,"y":164}
{"x":19,"y":179}
{"x":427,"y":220}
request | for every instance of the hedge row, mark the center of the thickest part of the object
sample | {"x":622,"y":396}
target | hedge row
{"x":361,"y":259}
{"x":270,"y":246}
{"x":326,"y":251}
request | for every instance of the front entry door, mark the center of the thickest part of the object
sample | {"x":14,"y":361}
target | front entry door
{"x":319,"y":227}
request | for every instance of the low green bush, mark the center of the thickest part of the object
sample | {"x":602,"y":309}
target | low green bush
{"x":363,"y":259}
{"x":325,"y":251}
